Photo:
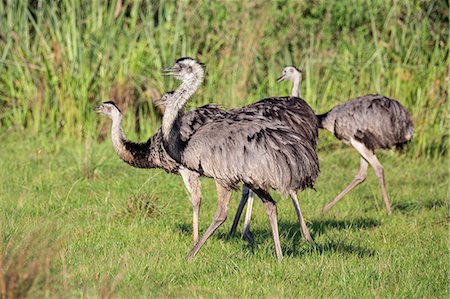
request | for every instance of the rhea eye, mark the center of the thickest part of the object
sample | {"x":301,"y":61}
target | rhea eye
{"x":189,"y":69}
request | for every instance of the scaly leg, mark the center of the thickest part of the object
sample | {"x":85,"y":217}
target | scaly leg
{"x":223,"y":199}
{"x":247,"y":196}
{"x":192,"y":183}
{"x":246,"y":233}
{"x":379,"y":172}
{"x":359,"y":178}
{"x":305,"y":231}
{"x":244,"y":198}
{"x":271,"y":211}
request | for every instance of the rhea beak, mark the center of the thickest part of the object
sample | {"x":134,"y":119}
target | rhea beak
{"x":97,"y":109}
{"x":168,"y":71}
{"x":282,"y":78}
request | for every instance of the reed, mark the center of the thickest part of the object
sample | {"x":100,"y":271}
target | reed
{"x":60,"y":58}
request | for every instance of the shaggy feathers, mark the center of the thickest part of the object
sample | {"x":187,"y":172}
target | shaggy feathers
{"x":265,"y":155}
{"x":374,"y":120}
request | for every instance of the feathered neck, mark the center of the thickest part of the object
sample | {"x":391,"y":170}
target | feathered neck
{"x":174,"y":113}
{"x":135,"y":154}
{"x":118,"y":137}
{"x":296,"y":85}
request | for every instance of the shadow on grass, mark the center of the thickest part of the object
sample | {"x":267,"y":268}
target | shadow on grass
{"x":296,"y":245}
{"x":185,"y":228}
{"x":319,"y":226}
{"x":415,"y":206}
{"x":328,"y":247}
{"x":316,"y":227}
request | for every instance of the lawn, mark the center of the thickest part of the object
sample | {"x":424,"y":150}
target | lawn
{"x":78,"y":222}
{"x":75,"y":221}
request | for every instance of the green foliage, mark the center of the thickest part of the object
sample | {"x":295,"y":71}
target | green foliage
{"x":123,"y":232}
{"x":59,"y":58}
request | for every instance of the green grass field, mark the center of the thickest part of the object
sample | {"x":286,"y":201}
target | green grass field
{"x":75,"y":221}
{"x":93,"y":226}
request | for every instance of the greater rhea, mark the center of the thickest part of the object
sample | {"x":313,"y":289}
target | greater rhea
{"x":367,"y":123}
{"x":242,"y":146}
{"x":293,"y":111}
{"x":151,"y":154}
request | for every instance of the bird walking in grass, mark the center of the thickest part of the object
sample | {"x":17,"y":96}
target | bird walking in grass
{"x":367,"y":123}
{"x":242,"y":146}
{"x":151,"y":154}
{"x":299,"y":116}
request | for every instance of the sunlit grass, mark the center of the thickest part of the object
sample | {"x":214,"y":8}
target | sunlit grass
{"x":57,"y":59}
{"x":75,"y":221}
{"x":125,"y":231}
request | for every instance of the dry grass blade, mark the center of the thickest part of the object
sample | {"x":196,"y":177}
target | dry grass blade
{"x":144,"y":205}
{"x":25,"y":265}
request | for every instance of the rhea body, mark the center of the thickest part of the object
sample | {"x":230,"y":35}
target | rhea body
{"x":241,"y":146}
{"x":367,"y":123}
{"x":151,"y":154}
{"x":307,"y":123}
{"x":294,"y":112}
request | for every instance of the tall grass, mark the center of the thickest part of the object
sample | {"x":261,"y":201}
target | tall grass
{"x":59,"y":58}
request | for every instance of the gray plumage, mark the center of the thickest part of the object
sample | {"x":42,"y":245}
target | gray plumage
{"x":367,"y":123}
{"x":243,"y":145}
{"x":374,"y":120}
{"x":151,"y":154}
{"x":299,"y":116}
{"x":251,"y":150}
{"x":292,"y":111}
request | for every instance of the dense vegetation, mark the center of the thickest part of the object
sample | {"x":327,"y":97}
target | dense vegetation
{"x":58,"y":58}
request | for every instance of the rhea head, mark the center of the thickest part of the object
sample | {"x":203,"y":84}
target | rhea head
{"x":186,"y":69}
{"x":290,"y":73}
{"x":109,"y":109}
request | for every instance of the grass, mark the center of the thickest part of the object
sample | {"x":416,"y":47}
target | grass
{"x":76,"y":222}
{"x":58,"y":59}
{"x":111,"y":230}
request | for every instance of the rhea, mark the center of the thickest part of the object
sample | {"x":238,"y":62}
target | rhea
{"x":294,"y":112}
{"x":241,"y":146}
{"x":367,"y":123}
{"x":151,"y":154}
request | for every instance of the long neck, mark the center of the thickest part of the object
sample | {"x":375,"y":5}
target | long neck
{"x":174,"y":113}
{"x":296,"y":86}
{"x":135,"y":154}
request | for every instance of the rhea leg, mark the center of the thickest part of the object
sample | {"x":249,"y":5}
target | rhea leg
{"x":359,"y":178}
{"x":247,"y":196}
{"x":192,"y":182}
{"x":244,"y":198}
{"x":379,"y":171}
{"x":246,"y":233}
{"x":271,"y":211}
{"x":305,"y":231}
{"x":223,"y":199}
